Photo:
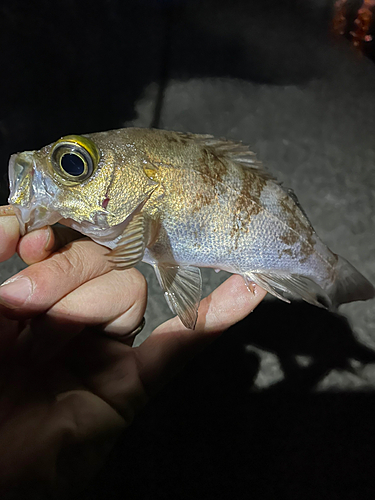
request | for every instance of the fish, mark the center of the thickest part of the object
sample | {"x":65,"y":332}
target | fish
{"x":180,"y":201}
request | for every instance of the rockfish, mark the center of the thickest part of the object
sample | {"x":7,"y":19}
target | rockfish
{"x":180,"y":202}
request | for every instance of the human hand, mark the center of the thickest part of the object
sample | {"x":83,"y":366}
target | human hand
{"x":68,"y":388}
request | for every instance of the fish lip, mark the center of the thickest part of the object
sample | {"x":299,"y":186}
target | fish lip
{"x":29,"y":196}
{"x":11,"y":171}
{"x":20,"y":165}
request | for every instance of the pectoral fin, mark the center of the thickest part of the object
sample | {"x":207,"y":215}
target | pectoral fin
{"x":132,"y":244}
{"x":182,"y":287}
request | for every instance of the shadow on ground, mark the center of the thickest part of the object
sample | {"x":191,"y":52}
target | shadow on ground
{"x":211,"y":435}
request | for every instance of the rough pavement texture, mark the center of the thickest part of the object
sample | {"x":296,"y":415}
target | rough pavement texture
{"x":282,"y":405}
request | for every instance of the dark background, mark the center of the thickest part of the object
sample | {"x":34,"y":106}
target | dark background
{"x":77,"y":66}
{"x":282,"y":406}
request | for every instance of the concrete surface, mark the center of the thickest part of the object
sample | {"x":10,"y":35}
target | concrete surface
{"x":282,"y":405}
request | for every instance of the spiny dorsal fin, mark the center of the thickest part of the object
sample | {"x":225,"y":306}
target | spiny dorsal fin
{"x":234,"y":151}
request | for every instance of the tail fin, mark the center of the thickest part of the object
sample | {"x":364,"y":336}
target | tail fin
{"x":350,"y":285}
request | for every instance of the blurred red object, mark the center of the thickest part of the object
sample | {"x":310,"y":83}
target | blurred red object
{"x":339,"y":18}
{"x":359,"y":34}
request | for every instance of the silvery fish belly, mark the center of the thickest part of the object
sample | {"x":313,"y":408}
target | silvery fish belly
{"x":180,"y":202}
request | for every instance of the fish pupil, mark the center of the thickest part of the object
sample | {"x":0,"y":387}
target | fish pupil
{"x":72,"y":164}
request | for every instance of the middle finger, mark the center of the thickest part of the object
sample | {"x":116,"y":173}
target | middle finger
{"x":37,"y":288}
{"x":114,"y":302}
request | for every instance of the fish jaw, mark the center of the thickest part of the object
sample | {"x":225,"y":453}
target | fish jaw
{"x":31,"y":193}
{"x":108,"y":236}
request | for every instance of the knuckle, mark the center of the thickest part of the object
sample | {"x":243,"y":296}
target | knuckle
{"x":61,"y":263}
{"x":131,"y":289}
{"x":71,"y":262}
{"x":139,"y":283}
{"x":63,"y":309}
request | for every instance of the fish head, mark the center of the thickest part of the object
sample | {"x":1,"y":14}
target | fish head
{"x":92,"y":183}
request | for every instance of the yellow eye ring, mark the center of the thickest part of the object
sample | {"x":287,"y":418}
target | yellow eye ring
{"x":74,"y":158}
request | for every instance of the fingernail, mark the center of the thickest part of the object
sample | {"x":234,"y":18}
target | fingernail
{"x":15,"y":292}
{"x":41,"y":236}
{"x":49,"y":242}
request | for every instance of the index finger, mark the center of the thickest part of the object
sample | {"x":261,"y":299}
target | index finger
{"x":37,"y":288}
{"x":9,"y":232}
{"x":32,"y":247}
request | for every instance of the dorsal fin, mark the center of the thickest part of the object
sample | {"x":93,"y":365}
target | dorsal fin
{"x":240,"y":153}
{"x":234,"y":151}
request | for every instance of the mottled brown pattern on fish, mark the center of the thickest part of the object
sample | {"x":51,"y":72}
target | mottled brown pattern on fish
{"x":300,"y":229}
{"x":212,"y":169}
{"x":247,"y":204}
{"x":202,"y":199}
{"x":286,"y":251}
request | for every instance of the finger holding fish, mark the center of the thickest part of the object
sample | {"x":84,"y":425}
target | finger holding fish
{"x":40,"y":244}
{"x":72,"y":289}
{"x":37,"y":288}
{"x":35,"y":246}
{"x":9,"y":233}
{"x":114,"y":304}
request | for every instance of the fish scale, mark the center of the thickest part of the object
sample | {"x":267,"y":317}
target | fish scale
{"x":179,"y":202}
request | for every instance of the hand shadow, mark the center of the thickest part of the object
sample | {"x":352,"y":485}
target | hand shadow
{"x":209,"y":434}
{"x":299,"y":329}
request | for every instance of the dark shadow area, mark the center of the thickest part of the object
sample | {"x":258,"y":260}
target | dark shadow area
{"x":73,"y":67}
{"x":209,"y":435}
{"x":76,"y":67}
{"x":265,"y":42}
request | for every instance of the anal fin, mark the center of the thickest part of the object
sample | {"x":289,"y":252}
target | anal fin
{"x":278,"y":283}
{"x":182,"y":287}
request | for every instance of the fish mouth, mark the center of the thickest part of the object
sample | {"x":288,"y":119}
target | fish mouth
{"x":20,"y":176}
{"x":29,"y":196}
{"x":35,"y":218}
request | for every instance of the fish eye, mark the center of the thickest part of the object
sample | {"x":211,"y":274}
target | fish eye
{"x":74,"y":158}
{"x":72,"y":161}
{"x":72,"y":164}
